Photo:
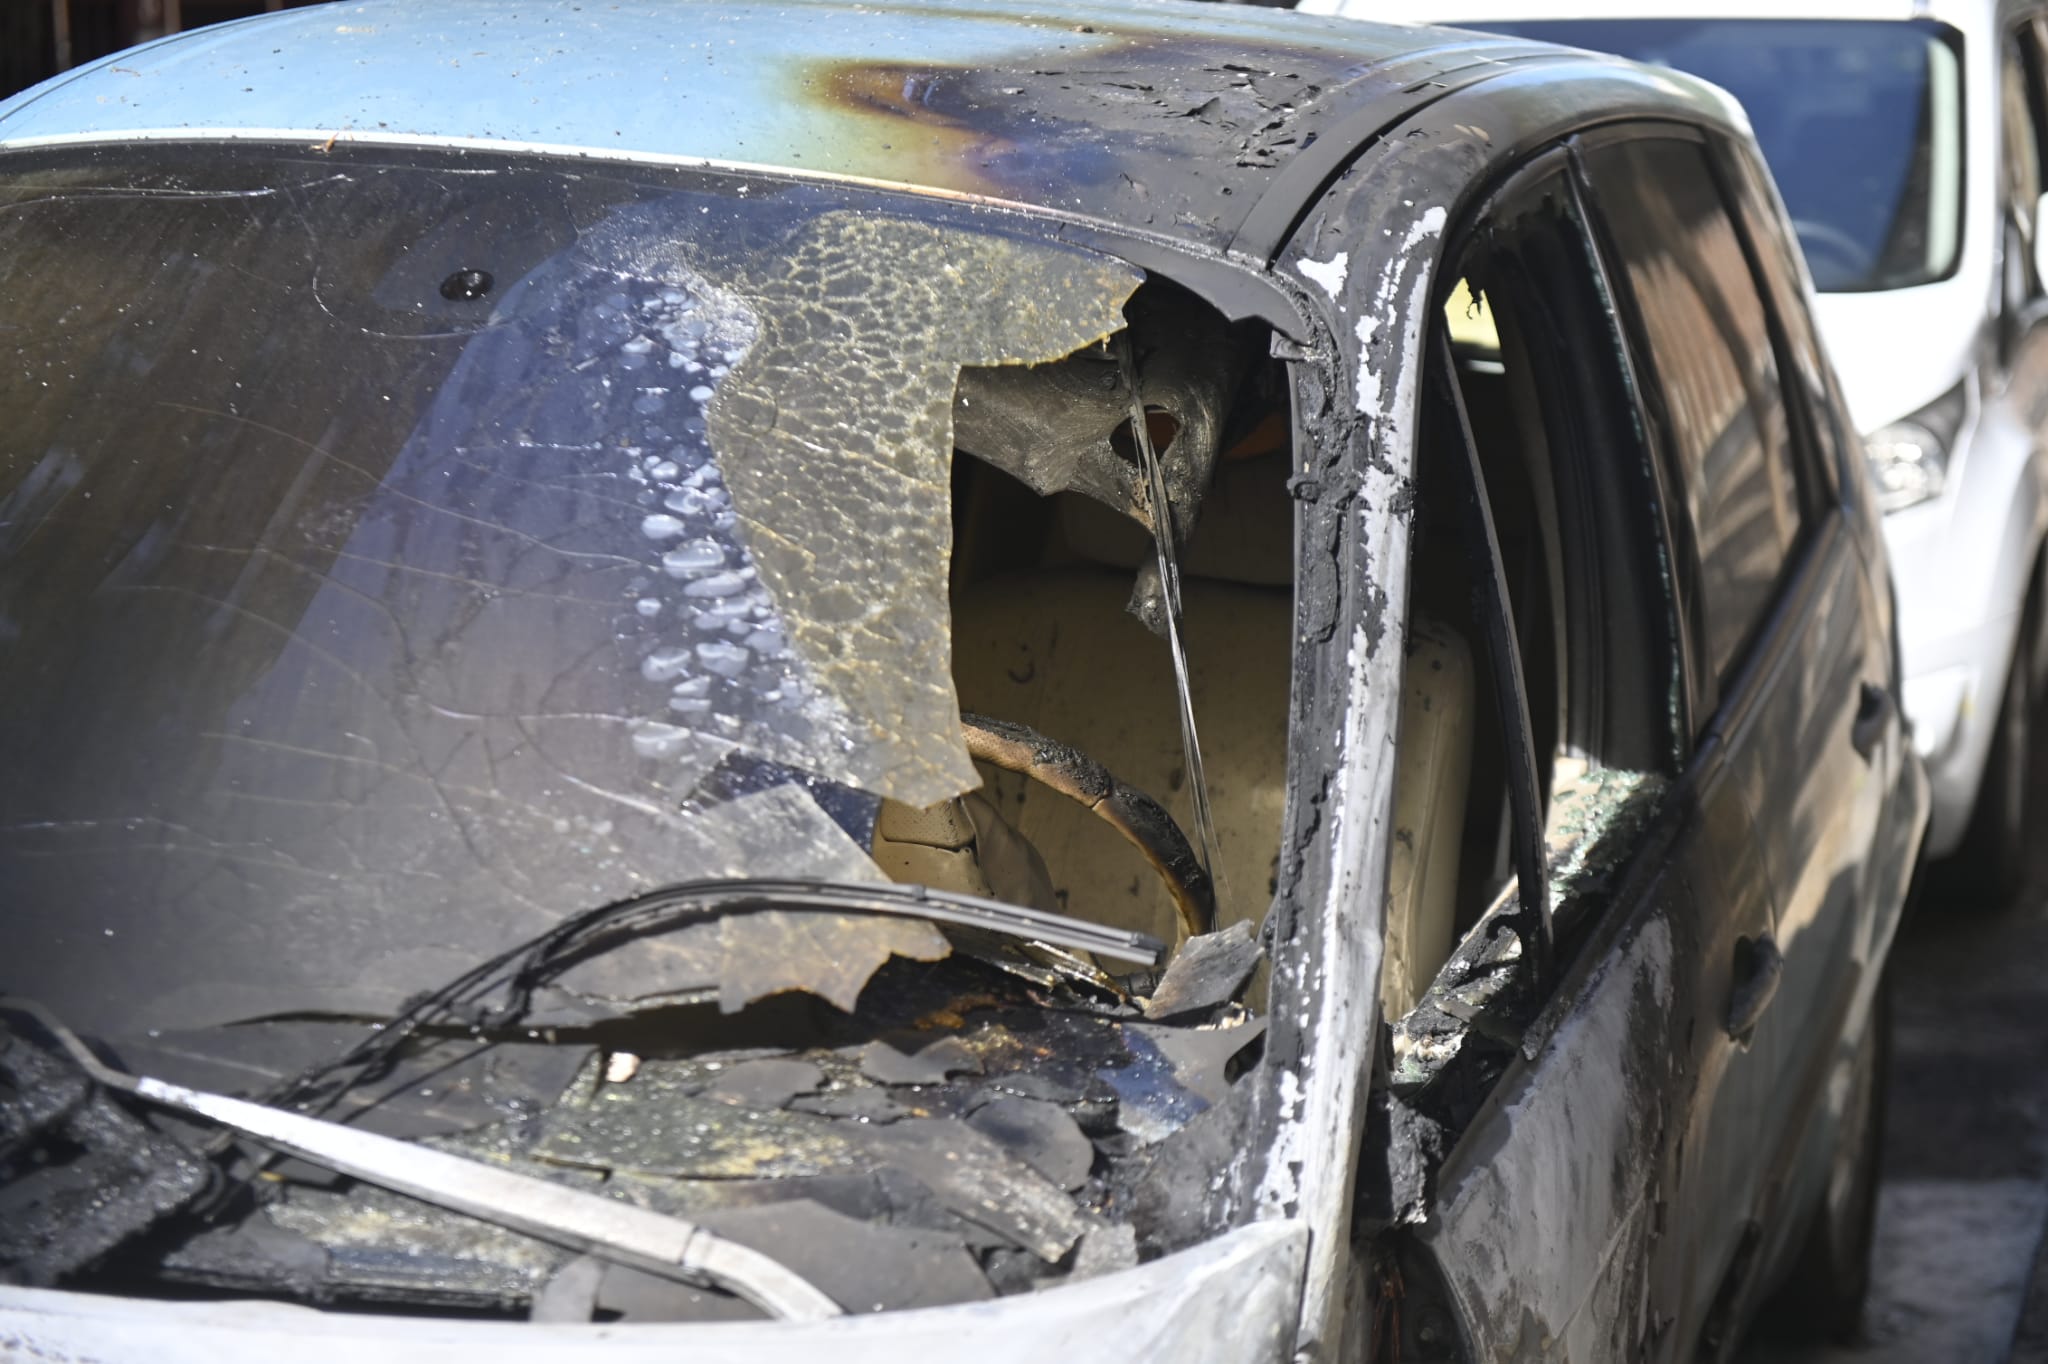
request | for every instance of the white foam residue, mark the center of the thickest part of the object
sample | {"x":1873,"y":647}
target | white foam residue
{"x":652,"y":739}
{"x":695,"y":557}
{"x":662,"y":526}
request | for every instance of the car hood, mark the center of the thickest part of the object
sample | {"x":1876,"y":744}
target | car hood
{"x":1897,"y":350}
{"x":1233,"y":1298}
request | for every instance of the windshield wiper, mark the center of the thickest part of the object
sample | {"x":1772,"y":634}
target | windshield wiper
{"x":608,"y":1228}
{"x":514,"y":975}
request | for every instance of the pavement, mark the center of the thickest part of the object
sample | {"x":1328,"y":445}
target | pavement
{"x":1959,"y":1275}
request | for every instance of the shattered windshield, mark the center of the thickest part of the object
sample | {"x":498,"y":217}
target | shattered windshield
{"x":765,"y":700}
{"x":395,"y":561}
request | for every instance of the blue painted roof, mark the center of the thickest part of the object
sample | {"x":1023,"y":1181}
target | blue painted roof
{"x":1063,"y":103}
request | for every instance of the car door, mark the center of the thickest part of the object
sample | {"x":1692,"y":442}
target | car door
{"x":1795,"y":678}
{"x":1571,"y":1205}
{"x":1885,"y":818}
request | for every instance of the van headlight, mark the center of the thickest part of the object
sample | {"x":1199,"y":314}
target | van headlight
{"x":1909,"y":458}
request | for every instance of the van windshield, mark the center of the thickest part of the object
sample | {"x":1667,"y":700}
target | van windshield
{"x":1860,"y":120}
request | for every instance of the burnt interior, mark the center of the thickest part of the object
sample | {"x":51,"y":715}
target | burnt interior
{"x":1054,"y":611}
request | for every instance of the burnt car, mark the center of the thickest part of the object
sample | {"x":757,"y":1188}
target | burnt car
{"x":788,"y":681}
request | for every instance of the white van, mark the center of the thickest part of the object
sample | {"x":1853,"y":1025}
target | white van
{"x":1907,"y":138}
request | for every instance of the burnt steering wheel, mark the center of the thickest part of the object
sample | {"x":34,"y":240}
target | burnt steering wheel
{"x":1143,"y":821}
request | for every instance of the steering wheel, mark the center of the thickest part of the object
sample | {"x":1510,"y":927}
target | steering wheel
{"x":1845,"y":249}
{"x":1143,"y":821}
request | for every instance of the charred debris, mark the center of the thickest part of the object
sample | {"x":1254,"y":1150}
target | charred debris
{"x":987,"y":1123}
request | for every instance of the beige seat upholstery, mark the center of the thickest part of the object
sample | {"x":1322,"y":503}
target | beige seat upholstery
{"x":1432,"y":780}
{"x":1057,"y":651}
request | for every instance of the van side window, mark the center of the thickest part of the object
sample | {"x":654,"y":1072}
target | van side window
{"x":1713,"y":385}
{"x":2021,"y":149}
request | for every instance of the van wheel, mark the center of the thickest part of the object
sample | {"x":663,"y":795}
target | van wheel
{"x":1823,"y":1298}
{"x":1991,"y":862}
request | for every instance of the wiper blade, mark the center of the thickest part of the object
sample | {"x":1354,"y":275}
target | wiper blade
{"x":518,"y":972}
{"x":605,"y":1227}
{"x":940,"y":906}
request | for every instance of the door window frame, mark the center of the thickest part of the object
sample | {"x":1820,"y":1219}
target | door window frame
{"x":1719,"y":706}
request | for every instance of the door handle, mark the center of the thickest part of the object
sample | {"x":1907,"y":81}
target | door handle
{"x":1759,"y":965}
{"x":1874,"y":711}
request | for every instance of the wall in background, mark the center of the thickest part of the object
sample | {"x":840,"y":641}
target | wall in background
{"x":40,"y":38}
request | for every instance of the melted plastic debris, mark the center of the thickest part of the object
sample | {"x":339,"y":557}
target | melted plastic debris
{"x":769,"y":1082}
{"x":1041,"y":1134}
{"x":652,"y":1127}
{"x":867,"y":1266}
{"x":931,"y":1065}
{"x":82,"y":1174}
{"x":1207,"y":971}
{"x":1012,"y":1172}
{"x":386,"y":1241}
{"x":865,"y":323}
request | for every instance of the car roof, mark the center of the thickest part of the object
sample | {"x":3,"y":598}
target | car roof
{"x":1162,"y":114}
{"x":1962,"y":13}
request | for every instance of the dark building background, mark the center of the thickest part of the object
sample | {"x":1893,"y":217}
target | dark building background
{"x":39,"y":38}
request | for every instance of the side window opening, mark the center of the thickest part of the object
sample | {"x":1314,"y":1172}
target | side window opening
{"x":1054,"y":597}
{"x":1536,"y":362}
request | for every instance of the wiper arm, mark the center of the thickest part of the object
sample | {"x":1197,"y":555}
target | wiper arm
{"x":522,"y":969}
{"x":608,"y":1228}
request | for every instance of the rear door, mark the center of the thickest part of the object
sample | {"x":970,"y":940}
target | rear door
{"x":1791,"y":674}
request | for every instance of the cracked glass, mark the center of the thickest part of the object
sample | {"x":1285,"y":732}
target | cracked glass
{"x":396,"y":558}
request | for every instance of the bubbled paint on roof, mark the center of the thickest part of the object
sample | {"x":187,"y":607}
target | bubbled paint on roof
{"x":1153,"y":112}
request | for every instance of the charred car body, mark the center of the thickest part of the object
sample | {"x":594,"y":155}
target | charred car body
{"x":838,"y":664}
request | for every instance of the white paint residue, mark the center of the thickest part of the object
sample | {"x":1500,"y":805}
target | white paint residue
{"x":1328,"y":273}
{"x":1411,"y":347}
{"x":1430,"y":224}
{"x":1280,"y":1188}
{"x":1368,"y":377}
{"x":1370,"y":389}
